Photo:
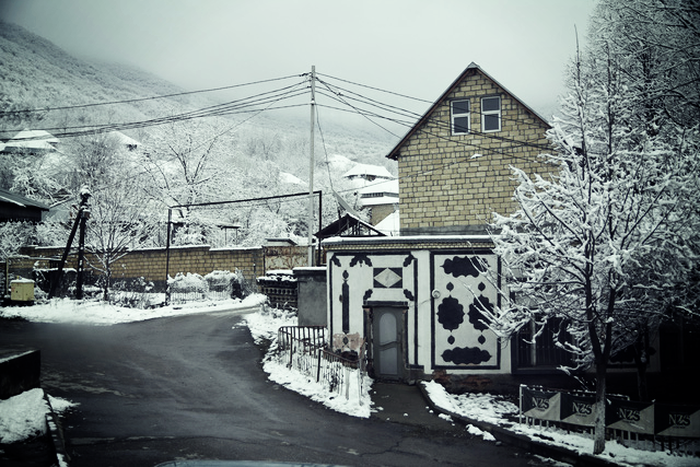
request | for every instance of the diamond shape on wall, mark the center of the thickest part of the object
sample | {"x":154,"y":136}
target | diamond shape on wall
{"x":388,"y":278}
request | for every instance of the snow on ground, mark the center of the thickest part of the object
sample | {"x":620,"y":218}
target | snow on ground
{"x":487,"y":408}
{"x":263,"y":327}
{"x":23,"y":416}
{"x":99,"y":313}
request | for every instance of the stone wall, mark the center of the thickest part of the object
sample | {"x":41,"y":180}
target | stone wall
{"x":150,"y":264}
{"x":445,"y":186}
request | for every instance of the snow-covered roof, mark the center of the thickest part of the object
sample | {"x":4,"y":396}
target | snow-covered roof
{"x":368,"y":170}
{"x":19,"y":200}
{"x":381,"y":192}
{"x":382,"y":186}
{"x":123,"y":139}
{"x":32,"y":139}
{"x":389,"y":225}
{"x":291,"y":179}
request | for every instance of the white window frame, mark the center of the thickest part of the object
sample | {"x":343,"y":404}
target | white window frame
{"x":466,"y":114}
{"x":490,"y":113}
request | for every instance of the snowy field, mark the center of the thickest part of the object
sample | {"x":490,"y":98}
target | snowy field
{"x":22,"y":416}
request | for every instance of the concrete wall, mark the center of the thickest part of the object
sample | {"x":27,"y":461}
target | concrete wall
{"x":425,"y":276}
{"x":311,"y":296}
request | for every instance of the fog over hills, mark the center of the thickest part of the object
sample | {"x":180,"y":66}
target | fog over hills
{"x":39,"y":75}
{"x":244,"y":141}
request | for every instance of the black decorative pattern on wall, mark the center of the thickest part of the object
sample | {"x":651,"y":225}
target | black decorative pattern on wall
{"x":409,"y":259}
{"x":345,"y":299}
{"x":476,"y":316}
{"x":409,"y":295}
{"x":367,"y":295}
{"x":463,"y":266}
{"x":466,"y":355}
{"x":388,"y":278}
{"x":360,"y":258}
{"x":450,"y":314}
{"x":335,"y":260}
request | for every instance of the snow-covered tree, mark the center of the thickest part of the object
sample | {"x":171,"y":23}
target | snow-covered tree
{"x":13,"y":236}
{"x":118,"y":222}
{"x":608,"y":243}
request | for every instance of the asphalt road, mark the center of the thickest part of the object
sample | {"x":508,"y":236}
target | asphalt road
{"x":191,"y":387}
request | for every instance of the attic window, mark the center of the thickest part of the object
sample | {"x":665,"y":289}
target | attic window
{"x":491,"y":114}
{"x":460,"y":117}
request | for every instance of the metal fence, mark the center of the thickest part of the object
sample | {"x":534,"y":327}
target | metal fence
{"x":304,"y":349}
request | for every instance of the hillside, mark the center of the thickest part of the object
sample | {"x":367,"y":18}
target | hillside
{"x":39,"y":75}
{"x":244,"y":154}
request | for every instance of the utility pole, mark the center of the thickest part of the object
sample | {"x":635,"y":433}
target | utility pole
{"x":311,"y":167}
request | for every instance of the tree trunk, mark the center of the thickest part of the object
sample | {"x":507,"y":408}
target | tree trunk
{"x":600,"y":404}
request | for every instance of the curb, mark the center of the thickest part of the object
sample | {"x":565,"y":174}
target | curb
{"x":521,"y":441}
{"x":57,"y":438}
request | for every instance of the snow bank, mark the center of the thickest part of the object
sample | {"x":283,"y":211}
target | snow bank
{"x":490,"y":409}
{"x":24,"y":415}
{"x":99,"y":313}
{"x":263,"y":326}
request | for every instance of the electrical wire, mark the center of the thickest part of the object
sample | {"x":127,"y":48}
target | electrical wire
{"x":140,"y":99}
{"x":353,"y":102}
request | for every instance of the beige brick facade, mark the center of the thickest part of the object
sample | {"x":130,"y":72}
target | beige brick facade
{"x":150,"y":264}
{"x":453,"y":183}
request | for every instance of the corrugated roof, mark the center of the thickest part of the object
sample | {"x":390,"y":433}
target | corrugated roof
{"x":19,"y":200}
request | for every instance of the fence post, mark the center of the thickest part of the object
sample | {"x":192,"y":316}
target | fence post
{"x":318,"y":371}
{"x":520,"y":404}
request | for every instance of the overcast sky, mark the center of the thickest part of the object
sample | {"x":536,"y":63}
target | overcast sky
{"x":408,"y":46}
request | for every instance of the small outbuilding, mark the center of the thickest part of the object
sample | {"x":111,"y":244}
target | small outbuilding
{"x":18,"y":208}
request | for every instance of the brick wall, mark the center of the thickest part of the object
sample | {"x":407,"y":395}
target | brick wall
{"x":151,"y":263}
{"x":442,"y":188}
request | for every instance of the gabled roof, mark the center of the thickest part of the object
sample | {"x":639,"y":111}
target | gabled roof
{"x":348,"y":226}
{"x":471,"y":68}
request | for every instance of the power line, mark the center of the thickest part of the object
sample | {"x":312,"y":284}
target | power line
{"x":377,"y":89}
{"x":140,"y":99}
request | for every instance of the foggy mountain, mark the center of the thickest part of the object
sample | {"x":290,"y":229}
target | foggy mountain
{"x":36,"y":74}
{"x":189,"y":150}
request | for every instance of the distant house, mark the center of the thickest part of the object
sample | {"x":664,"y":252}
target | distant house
{"x":130,"y":144}
{"x":31,"y":142}
{"x":17,"y":208}
{"x":368,"y":173}
{"x":377,"y":190}
{"x":381,"y":197}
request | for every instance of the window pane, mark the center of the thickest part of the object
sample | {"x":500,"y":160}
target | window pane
{"x":460,"y":107}
{"x":387,"y":329}
{"x":461,"y":125}
{"x":491,"y":122}
{"x":490,"y":103}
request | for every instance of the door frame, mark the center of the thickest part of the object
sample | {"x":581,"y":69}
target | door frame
{"x":400,"y":311}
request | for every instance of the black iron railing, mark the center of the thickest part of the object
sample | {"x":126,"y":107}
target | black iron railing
{"x":304,"y":349}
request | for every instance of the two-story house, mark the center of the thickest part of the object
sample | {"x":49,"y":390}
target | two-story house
{"x":416,"y":297}
{"x":454,"y":164}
